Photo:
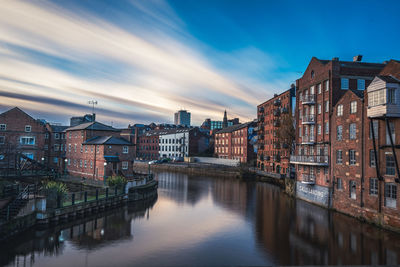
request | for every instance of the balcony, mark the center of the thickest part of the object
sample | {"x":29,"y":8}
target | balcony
{"x":277,"y":112}
{"x":308,"y":178}
{"x":277,"y":102}
{"x":312,"y":160}
{"x":277,"y":123}
{"x":308,"y":140}
{"x":308,"y":99}
{"x":308,"y":119}
{"x":383,"y":98}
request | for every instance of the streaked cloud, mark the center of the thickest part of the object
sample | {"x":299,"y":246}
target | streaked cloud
{"x":139,"y":68}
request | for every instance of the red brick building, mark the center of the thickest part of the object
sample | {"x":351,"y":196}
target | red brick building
{"x":148,"y":145}
{"x":20,"y":133}
{"x":95,"y":150}
{"x":233,"y":142}
{"x":322,"y":85}
{"x":57,"y":146}
{"x":273,"y":155}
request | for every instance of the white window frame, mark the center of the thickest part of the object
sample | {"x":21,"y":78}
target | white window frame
{"x":3,"y":127}
{"x":56,"y":136}
{"x":28,"y":128}
{"x":327,"y":85}
{"x":353,"y":107}
{"x":339,"y":110}
{"x":125,"y":149}
{"x":125,"y":165}
{"x":27,"y":138}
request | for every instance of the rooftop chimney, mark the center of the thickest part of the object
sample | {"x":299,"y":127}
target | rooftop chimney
{"x":357,"y":58}
{"x":335,"y":59}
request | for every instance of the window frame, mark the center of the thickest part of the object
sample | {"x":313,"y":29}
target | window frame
{"x":344,"y":83}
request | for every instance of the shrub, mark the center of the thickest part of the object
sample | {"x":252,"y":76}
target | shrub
{"x":118,"y":181}
{"x":55,"y":189}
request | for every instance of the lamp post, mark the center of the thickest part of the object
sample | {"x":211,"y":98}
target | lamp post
{"x":65,"y":166}
{"x":105,"y":177}
{"x":149,"y":168}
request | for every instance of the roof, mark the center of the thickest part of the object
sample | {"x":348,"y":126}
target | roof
{"x":97,"y":126}
{"x":354,"y":64}
{"x":235,"y":127}
{"x":167,"y":131}
{"x":111,"y":158}
{"x":107,"y":140}
{"x":58,"y":128}
{"x":388,"y":79}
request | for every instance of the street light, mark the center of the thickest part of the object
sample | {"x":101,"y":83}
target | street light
{"x":65,"y":166}
{"x":105,"y":177}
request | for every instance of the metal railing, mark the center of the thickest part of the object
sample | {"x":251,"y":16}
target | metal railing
{"x":308,"y":99}
{"x":307,"y":119}
{"x":308,"y":178}
{"x":311,"y":159}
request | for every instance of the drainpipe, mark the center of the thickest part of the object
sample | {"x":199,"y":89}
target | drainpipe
{"x":362,"y":154}
{"x":377,"y":165}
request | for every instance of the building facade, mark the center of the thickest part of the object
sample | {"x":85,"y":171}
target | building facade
{"x":323,"y":84}
{"x":233,"y":142}
{"x":182,"y":117}
{"x":275,"y":117}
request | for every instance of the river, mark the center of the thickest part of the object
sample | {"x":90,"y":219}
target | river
{"x":204,"y":221}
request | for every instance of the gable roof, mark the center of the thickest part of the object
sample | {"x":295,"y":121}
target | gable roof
{"x":96,"y":126}
{"x":388,"y":78}
{"x":235,"y":127}
{"x":107,"y":140}
{"x":58,"y":128}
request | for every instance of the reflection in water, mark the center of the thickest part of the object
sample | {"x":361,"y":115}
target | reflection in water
{"x":208,"y":221}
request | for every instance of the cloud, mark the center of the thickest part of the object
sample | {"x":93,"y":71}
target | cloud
{"x":147,"y":68}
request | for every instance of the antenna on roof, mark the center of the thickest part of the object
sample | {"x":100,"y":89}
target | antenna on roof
{"x":92,"y":102}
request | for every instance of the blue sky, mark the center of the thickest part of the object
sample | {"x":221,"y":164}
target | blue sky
{"x":143,"y":60}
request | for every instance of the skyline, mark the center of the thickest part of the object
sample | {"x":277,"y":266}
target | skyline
{"x":143,"y":61}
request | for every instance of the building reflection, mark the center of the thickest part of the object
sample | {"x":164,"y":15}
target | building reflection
{"x":85,"y":234}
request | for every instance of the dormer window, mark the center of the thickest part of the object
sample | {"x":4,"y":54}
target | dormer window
{"x":28,"y":128}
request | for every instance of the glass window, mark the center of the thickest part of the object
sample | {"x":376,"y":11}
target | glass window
{"x":339,"y":132}
{"x":319,"y":129}
{"x":339,"y":157}
{"x":352,"y":157}
{"x":344,"y":83}
{"x":125,"y":165}
{"x":375,"y":125}
{"x":340,"y":110}
{"x":361,"y":84}
{"x":327,"y":85}
{"x":390,"y":195}
{"x":319,"y":88}
{"x":390,"y":167}
{"x":125,"y":149}
{"x":319,"y":108}
{"x":326,"y":106}
{"x":3,"y":127}
{"x":391,"y":96}
{"x":27,"y":140}
{"x":2,"y":139}
{"x":372,"y":162}
{"x":391,"y":126}
{"x":352,"y":131}
{"x":28,"y":128}
{"x":352,"y":188}
{"x":353,"y":107}
{"x":373,"y":186}
{"x":326,"y":127}
{"x":339,"y":184}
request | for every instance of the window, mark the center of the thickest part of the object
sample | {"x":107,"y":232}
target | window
{"x":124,"y":165}
{"x":360,"y":84}
{"x":376,"y":98}
{"x":326,"y":127}
{"x":56,"y":147}
{"x":27,"y":140}
{"x":352,"y":157}
{"x":28,"y":128}
{"x":75,"y":148}
{"x":319,"y":129}
{"x":85,"y":163}
{"x":46,"y":136}
{"x":339,"y":132}
{"x":81,"y":148}
{"x":352,"y":131}
{"x":56,"y":136}
{"x":339,"y":184}
{"x":319,"y":108}
{"x":69,"y":161}
{"x":391,"y":96}
{"x":319,"y":88}
{"x":86,"y":149}
{"x":125,"y":149}
{"x":390,"y":195}
{"x":352,"y":188}
{"x":373,"y":186}
{"x":390,"y":167}
{"x":2,"y":139}
{"x":91,"y":164}
{"x":69,"y":147}
{"x":340,"y":110}
{"x":344,"y":83}
{"x":327,"y":85}
{"x":300,"y":132}
{"x":375,"y":125}
{"x":3,"y":127}
{"x":372,"y":162}
{"x":339,"y":157}
{"x":353,"y":107}
{"x":55,"y":160}
{"x":326,"y":106}
{"x":80,"y":163}
{"x":391,"y":127}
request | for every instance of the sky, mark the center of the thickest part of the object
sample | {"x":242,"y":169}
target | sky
{"x":144,"y":60}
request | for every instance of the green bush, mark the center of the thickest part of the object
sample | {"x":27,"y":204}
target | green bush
{"x":118,"y":181}
{"x":55,"y":189}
